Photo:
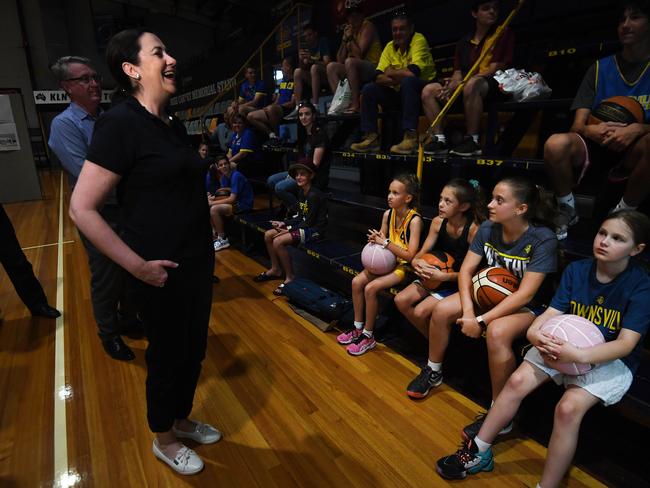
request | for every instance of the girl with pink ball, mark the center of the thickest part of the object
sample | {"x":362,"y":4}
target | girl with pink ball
{"x":612,"y":292}
{"x":401,"y":226}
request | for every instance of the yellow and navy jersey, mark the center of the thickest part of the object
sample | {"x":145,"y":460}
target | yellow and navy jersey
{"x":400,"y":235}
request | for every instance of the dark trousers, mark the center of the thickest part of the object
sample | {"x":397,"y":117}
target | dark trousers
{"x":176,"y":323}
{"x":407,"y":99}
{"x":17,"y":267}
{"x":107,"y":283}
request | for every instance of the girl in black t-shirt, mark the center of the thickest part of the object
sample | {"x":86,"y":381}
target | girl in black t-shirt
{"x":166,"y":240}
{"x":307,"y":224}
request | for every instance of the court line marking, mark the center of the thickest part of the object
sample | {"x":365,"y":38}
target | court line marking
{"x":60,"y":397}
{"x":45,"y":245}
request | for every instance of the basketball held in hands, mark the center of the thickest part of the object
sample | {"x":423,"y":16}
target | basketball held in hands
{"x":491,"y":285}
{"x":440,"y":260}
{"x":576,"y":330}
{"x":378,"y":260}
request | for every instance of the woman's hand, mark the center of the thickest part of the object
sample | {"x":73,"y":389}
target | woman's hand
{"x":154,"y":273}
{"x":470,"y":326}
{"x":278,"y":224}
{"x":376,"y":237}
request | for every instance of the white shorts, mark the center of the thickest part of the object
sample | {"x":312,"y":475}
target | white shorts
{"x":607,"y":381}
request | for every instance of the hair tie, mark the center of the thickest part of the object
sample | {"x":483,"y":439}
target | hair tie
{"x":474,"y":183}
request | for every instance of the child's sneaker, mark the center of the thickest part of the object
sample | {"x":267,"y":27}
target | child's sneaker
{"x":361,"y":345}
{"x":349,"y":336}
{"x":467,"y":460}
{"x":220,"y":244}
{"x":470,"y":431}
{"x":427,"y":379}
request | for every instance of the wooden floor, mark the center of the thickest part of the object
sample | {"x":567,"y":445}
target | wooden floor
{"x":295,"y":408}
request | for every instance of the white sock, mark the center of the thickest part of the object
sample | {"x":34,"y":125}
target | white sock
{"x":272,"y":135}
{"x":482,"y":446}
{"x":567,"y":200}
{"x":623,"y":206}
{"x":434,"y":366}
{"x":475,"y":138}
{"x":359,"y":325}
{"x":441,"y":137}
{"x":367,"y":333}
{"x":538,"y":485}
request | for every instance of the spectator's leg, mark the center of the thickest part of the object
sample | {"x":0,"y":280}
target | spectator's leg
{"x":280,"y":245}
{"x":359,"y":283}
{"x":275,"y":269}
{"x":370,"y":294}
{"x":445,"y":314}
{"x":357,"y":73}
{"x":335,"y":73}
{"x":298,"y":83}
{"x":217,"y":215}
{"x":474,"y":93}
{"x":411,"y":91}
{"x":430,"y":103}
{"x":318,"y":76}
{"x":638,"y":184}
{"x":561,"y":153}
{"x":274,"y":113}
{"x":287,"y":191}
{"x":372,"y":93}
{"x":260,"y":119}
{"x":499,"y":338}
{"x":410,"y":298}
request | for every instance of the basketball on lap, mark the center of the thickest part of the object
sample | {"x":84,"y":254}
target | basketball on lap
{"x":491,"y":285}
{"x":440,"y":260}
{"x":578,"y":331}
{"x":378,"y":260}
{"x":625,"y":110}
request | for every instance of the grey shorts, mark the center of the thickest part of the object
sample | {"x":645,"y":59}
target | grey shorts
{"x":607,"y":381}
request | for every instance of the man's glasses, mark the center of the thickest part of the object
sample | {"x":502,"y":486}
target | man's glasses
{"x":86,"y":79}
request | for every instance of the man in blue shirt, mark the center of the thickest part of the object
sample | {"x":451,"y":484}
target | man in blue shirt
{"x":70,"y":136}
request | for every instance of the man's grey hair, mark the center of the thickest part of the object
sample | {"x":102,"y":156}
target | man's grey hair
{"x":60,"y":67}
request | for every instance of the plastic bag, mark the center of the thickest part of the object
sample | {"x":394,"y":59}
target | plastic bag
{"x":342,"y":98}
{"x":522,"y":85}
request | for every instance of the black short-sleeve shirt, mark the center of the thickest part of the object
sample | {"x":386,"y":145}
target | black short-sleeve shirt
{"x":164,"y":209}
{"x":318,"y":138}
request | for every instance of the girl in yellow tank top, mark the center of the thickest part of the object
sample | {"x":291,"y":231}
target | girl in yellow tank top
{"x":403,"y":225}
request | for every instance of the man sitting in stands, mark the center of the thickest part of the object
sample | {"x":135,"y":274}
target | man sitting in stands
{"x":243,"y":149}
{"x":625,"y":148}
{"x":313,"y":58}
{"x":252,"y":95}
{"x":268,"y":118}
{"x":480,"y":87}
{"x":404,"y":68}
{"x":357,"y":56}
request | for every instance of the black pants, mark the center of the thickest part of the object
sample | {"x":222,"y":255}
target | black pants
{"x":176,"y":322}
{"x":107,"y":283}
{"x":17,"y":267}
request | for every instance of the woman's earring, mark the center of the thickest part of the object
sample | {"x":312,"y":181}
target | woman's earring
{"x":137,"y":76}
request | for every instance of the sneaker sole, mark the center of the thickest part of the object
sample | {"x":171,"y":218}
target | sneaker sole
{"x":436,"y":153}
{"x":447,"y":477}
{"x":169,"y":462}
{"x":222,"y":248}
{"x":363,"y":351}
{"x":465,"y":154}
{"x":418,"y":395}
{"x":345,"y":343}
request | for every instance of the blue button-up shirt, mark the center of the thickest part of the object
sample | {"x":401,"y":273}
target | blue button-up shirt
{"x":70,"y":135}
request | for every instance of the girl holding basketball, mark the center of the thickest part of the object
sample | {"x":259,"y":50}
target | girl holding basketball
{"x":400,"y":231}
{"x":613,"y":293}
{"x":460,"y":210}
{"x":516,"y":238}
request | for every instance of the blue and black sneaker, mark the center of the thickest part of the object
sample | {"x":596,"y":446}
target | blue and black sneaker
{"x":467,"y":460}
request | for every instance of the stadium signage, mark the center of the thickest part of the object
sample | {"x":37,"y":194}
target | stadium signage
{"x":53,"y":97}
{"x":205,"y":91}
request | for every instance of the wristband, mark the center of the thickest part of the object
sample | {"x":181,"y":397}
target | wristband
{"x":385,"y":244}
{"x":481,"y":322}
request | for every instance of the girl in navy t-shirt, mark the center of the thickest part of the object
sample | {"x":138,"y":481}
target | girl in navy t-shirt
{"x":610,"y":291}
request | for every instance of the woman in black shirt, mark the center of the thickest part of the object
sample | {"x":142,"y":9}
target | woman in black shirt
{"x":166,"y":242}
{"x":314,"y":145}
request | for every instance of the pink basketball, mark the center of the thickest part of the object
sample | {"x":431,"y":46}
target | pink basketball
{"x":578,"y":331}
{"x":377,"y":260}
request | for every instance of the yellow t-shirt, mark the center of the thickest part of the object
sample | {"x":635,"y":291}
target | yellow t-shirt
{"x":417,"y":54}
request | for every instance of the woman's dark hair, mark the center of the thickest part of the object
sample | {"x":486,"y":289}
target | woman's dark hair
{"x":642,"y":6}
{"x":472,"y":193}
{"x":412,"y":184}
{"x":302,"y":132}
{"x":541,"y":210}
{"x":638,"y":223}
{"x":124,"y":47}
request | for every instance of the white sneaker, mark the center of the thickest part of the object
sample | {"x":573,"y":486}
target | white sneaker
{"x":186,"y":461}
{"x":202,"y":433}
{"x":220,"y":244}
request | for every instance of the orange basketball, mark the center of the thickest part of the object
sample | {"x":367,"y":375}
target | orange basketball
{"x":626,"y":110}
{"x":440,"y":260}
{"x":491,"y":285}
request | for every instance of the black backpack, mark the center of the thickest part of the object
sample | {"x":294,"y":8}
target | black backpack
{"x":315,"y":299}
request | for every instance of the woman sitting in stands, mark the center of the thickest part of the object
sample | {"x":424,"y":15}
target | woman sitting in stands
{"x":314,"y":145}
